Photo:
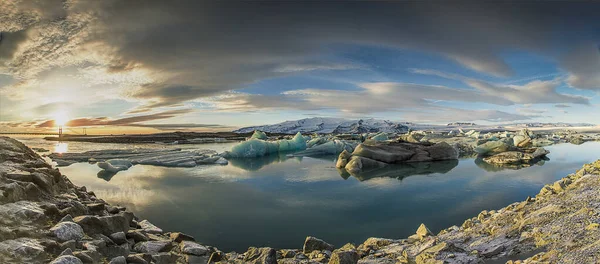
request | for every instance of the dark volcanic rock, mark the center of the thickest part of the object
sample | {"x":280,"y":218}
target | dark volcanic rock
{"x":312,"y":243}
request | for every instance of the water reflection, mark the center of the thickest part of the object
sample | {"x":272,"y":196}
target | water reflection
{"x":277,"y":201}
{"x":106,"y":175}
{"x":500,"y":167}
{"x":401,"y":171}
{"x":256,"y":164}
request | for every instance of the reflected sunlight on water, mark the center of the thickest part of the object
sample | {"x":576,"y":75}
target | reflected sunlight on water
{"x":61,"y":147}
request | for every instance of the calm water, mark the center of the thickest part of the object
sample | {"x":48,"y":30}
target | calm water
{"x":278,"y":201}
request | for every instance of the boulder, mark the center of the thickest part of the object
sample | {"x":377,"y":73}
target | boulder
{"x":423,"y":231}
{"x":149,"y":227}
{"x":344,"y":257}
{"x":106,"y":225}
{"x":118,"y":260}
{"x":66,"y":259}
{"x":65,"y":231}
{"x":509,"y":157}
{"x":193,"y":248}
{"x":178,"y":237}
{"x":265,"y":255}
{"x":153,"y":246}
{"x":312,"y":243}
{"x":492,"y":147}
{"x":119,"y":238}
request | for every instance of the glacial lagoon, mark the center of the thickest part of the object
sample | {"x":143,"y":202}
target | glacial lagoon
{"x":277,"y":200}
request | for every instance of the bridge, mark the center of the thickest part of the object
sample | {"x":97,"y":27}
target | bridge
{"x":29,"y":133}
{"x":59,"y":133}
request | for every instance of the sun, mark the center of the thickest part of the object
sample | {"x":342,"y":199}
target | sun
{"x":60,"y":118}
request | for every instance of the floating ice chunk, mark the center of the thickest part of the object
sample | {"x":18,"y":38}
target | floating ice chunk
{"x":115,"y":165}
{"x":316,"y":141}
{"x":259,"y":135}
{"x":258,"y":148}
{"x":118,"y":160}
{"x":332,"y":147}
{"x":380,"y":137}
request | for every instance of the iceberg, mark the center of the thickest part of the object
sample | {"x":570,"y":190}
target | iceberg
{"x":259,"y":135}
{"x":115,"y":165}
{"x":257,"y":147}
{"x":114,"y":160}
{"x":380,"y":137}
{"x":330,"y":148}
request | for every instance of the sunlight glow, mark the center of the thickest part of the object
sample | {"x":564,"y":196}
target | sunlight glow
{"x":60,"y":118}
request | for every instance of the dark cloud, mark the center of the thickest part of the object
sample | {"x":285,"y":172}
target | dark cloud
{"x":183,"y":126}
{"x":195,"y":49}
{"x":127,"y":121}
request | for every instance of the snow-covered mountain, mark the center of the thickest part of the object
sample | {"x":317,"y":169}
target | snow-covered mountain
{"x":330,"y":125}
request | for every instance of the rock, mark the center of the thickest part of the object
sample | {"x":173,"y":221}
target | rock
{"x":137,"y":235}
{"x":509,"y":157}
{"x":492,"y":147}
{"x":150,"y":228}
{"x":263,"y":255}
{"x":178,"y":237}
{"x":164,"y":258}
{"x":118,"y":260}
{"x":96,"y":207}
{"x":118,"y":237}
{"x":153,"y":246}
{"x":288,"y":253}
{"x":493,"y":251}
{"x":344,"y":257}
{"x":312,"y":243}
{"x":372,"y":242}
{"x":67,"y":218}
{"x":65,"y":231}
{"x":423,"y":231}
{"x":71,"y":244}
{"x":191,"y":259}
{"x":539,"y":152}
{"x":67,"y":252}
{"x":139,"y":258}
{"x":576,"y":140}
{"x":193,"y":248}
{"x":106,"y":225}
{"x":66,"y":260}
{"x":112,"y":209}
{"x":85,"y":257}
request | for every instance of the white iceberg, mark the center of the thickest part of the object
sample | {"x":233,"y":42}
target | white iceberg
{"x":115,"y":165}
{"x":259,"y":135}
{"x":332,"y":147}
{"x":258,"y":147}
{"x":114,"y":160}
{"x":380,"y":137}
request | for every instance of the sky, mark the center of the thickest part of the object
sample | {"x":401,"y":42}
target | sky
{"x":148,"y":66}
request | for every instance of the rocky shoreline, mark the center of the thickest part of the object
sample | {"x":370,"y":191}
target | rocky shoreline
{"x":45,"y":218}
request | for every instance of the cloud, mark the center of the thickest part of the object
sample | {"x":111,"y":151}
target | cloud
{"x":127,"y":121}
{"x":562,"y":106}
{"x":464,"y":115}
{"x":534,"y":92}
{"x":583,"y":65}
{"x":531,"y":111}
{"x":196,"y":49}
